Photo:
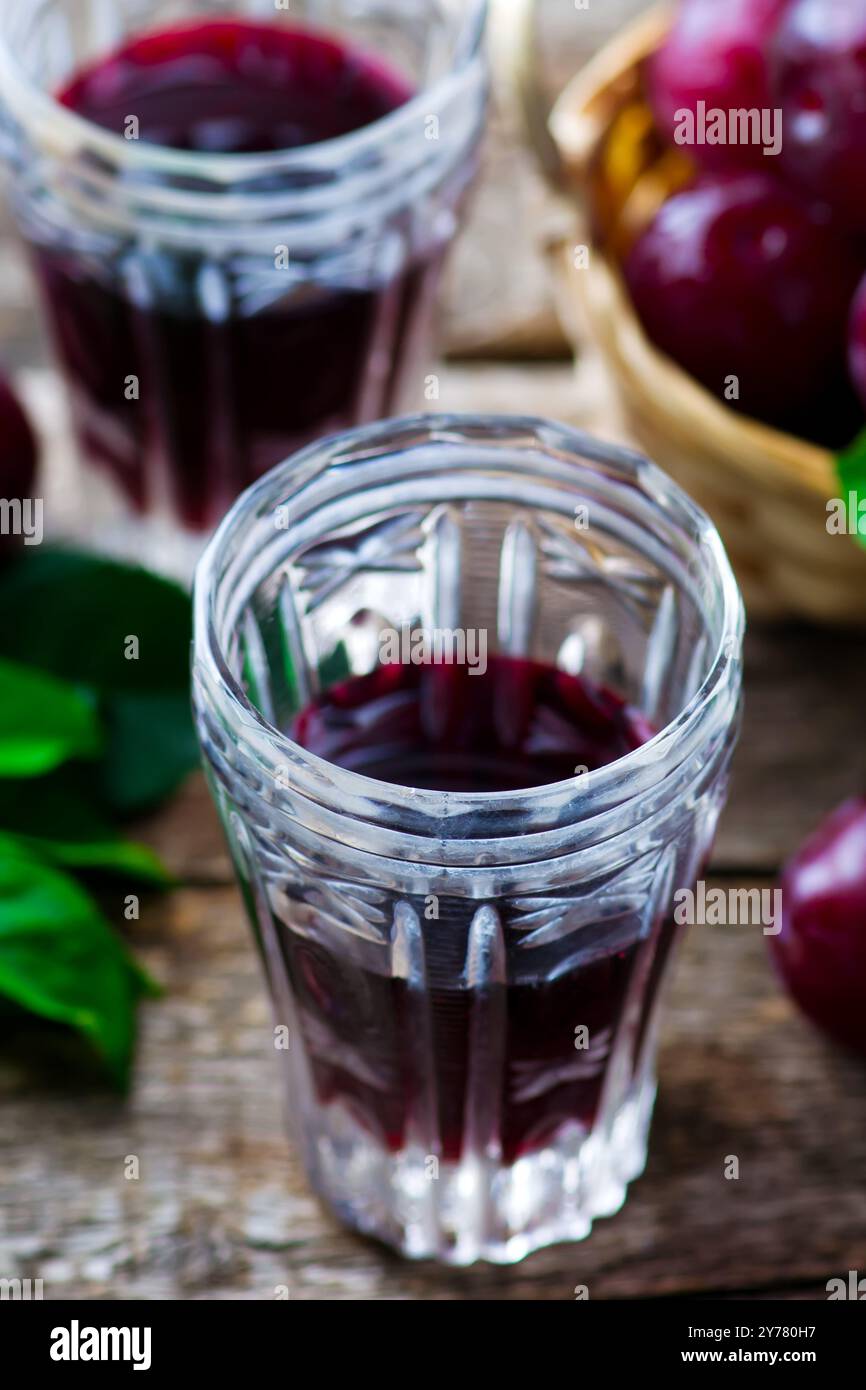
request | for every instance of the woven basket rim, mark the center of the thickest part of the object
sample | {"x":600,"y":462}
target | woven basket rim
{"x":576,"y":128}
{"x":680,"y":397}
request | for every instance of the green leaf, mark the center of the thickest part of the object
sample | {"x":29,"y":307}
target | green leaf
{"x":334,"y":667}
{"x":114,"y":856}
{"x":43,"y":722}
{"x":151,"y":748}
{"x":73,"y":614}
{"x":851,"y":469}
{"x":60,"y":959}
{"x":55,"y":816}
{"x":60,"y":806}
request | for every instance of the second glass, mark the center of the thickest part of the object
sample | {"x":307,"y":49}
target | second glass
{"x":213,"y":311}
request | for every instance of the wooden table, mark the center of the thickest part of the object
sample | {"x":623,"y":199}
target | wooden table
{"x":220,"y":1208}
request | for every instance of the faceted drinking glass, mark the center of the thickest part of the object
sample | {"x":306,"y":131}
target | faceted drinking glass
{"x":437,"y":1089}
{"x":212,"y":312}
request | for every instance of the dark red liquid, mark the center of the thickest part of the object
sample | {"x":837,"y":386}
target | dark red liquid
{"x":231,"y":378}
{"x":518,"y":725}
{"x":232,"y":87}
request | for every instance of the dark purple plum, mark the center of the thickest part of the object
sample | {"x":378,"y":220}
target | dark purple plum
{"x":716,"y":53}
{"x":18,"y":454}
{"x":857,"y":342}
{"x":818,"y":58}
{"x":820,"y":951}
{"x":736,"y":277}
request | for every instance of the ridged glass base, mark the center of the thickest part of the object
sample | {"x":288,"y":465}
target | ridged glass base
{"x":477,"y":1209}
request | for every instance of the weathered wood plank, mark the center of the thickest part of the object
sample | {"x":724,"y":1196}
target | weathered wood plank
{"x":221,"y":1210}
{"x":802,"y":749}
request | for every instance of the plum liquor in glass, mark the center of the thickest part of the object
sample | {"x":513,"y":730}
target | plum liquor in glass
{"x":237,"y":222}
{"x":460,"y":872}
{"x":447,"y":726}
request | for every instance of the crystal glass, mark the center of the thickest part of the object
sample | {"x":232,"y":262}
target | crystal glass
{"x":436,"y":1089}
{"x":213,"y":312}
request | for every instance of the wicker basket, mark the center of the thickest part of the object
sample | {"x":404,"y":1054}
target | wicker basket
{"x":766,"y":491}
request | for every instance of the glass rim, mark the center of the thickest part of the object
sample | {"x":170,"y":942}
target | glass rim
{"x":68,"y":131}
{"x":535,"y":813}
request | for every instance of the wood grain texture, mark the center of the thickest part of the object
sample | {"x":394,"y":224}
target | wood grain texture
{"x":221,"y":1210}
